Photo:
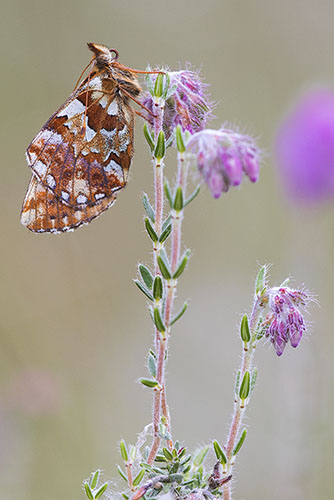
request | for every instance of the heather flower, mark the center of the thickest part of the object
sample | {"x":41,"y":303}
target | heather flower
{"x":187,"y":102}
{"x":223,"y":156}
{"x":305,"y":148}
{"x":285,"y":322}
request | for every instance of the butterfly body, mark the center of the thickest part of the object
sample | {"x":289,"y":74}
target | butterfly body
{"x":81,"y":157}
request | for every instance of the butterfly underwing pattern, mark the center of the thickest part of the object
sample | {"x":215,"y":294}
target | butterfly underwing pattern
{"x":81,"y":157}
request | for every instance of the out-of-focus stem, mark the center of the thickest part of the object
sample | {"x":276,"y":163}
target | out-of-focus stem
{"x":239,"y":406}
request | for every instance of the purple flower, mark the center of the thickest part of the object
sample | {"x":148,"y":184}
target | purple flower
{"x":187,"y":102}
{"x":285,"y":322}
{"x":305,"y":148}
{"x":223,"y":156}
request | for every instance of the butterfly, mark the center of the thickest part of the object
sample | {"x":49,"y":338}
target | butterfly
{"x":81,"y":157}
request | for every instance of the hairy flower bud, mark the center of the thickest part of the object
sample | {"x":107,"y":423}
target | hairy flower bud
{"x":223,"y":156}
{"x":285,"y":322}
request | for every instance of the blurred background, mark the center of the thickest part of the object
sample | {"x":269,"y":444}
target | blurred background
{"x":75,"y":330}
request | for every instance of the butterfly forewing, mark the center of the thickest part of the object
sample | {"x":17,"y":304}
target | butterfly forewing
{"x":81,"y":157}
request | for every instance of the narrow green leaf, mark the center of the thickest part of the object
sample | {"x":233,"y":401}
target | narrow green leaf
{"x":260,"y":281}
{"x":148,"y":207}
{"x":170,"y":140}
{"x":164,"y":235}
{"x":88,"y":491}
{"x":244,"y":329}
{"x":146,"y":275}
{"x":199,"y":458}
{"x":240,"y":442}
{"x":168,"y":193}
{"x":149,"y":82}
{"x":152,"y":365}
{"x":167,"y":454}
{"x":148,"y":382}
{"x":144,"y":290}
{"x":152,"y":234}
{"x":178,"y":199}
{"x":219,"y":453}
{"x":179,"y":314}
{"x":164,"y":268}
{"x":192,"y":196}
{"x":245,"y":386}
{"x":161,"y":458}
{"x":158,"y":320}
{"x":166,"y":222}
{"x":123,"y":450}
{"x":139,"y":477}
{"x":166,"y":85}
{"x":186,"y":460}
{"x":125,"y":496}
{"x":132,"y":454}
{"x":160,"y":148}
{"x":179,"y":140}
{"x":158,"y":86}
{"x":237,"y":382}
{"x":182,"y":264}
{"x":157,"y":288}
{"x":101,"y":491}
{"x":95,"y":478}
{"x":121,"y":473}
{"x":148,"y":137}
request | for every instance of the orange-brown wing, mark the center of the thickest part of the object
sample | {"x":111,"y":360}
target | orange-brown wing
{"x":83,"y":154}
{"x":43,"y":212}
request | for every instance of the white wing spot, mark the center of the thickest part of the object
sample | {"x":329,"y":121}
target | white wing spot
{"x":124,"y":139}
{"x":74,"y":108}
{"x":81,"y":198}
{"x":104,"y":101}
{"x":99,"y":196}
{"x":65,"y":195}
{"x":51,"y":181}
{"x":109,"y":137}
{"x":113,"y":108}
{"x":114,"y":167}
{"x":40,"y":168}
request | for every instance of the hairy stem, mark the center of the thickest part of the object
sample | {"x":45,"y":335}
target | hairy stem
{"x":239,"y":406}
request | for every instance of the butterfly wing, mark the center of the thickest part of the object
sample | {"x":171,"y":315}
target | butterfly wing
{"x":43,"y":211}
{"x":83,"y":153}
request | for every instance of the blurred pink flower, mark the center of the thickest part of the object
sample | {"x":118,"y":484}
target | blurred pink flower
{"x":305,"y":148}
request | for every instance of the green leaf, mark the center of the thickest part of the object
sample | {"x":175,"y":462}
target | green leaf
{"x":88,"y":491}
{"x":164,"y":235}
{"x":245,"y":386}
{"x":182,"y":264}
{"x":160,"y":148}
{"x":260,"y":281}
{"x":139,"y":477}
{"x":179,"y":314}
{"x":166,"y":85}
{"x":148,"y":382}
{"x":253,"y":380}
{"x":178,"y":199}
{"x":157,"y":288}
{"x":146,"y":275}
{"x":192,"y":196}
{"x":219,"y":453}
{"x":237,"y":382}
{"x":152,"y":234}
{"x":101,"y":491}
{"x":167,"y":454}
{"x":161,"y":458}
{"x":244,"y":329}
{"x":148,"y":137}
{"x":148,"y":208}
{"x":121,"y":473}
{"x":240,"y":442}
{"x":166,"y":222}
{"x":125,"y":496}
{"x":95,"y":478}
{"x":179,"y":140}
{"x":168,"y":193}
{"x":123,"y":450}
{"x":158,"y":321}
{"x":144,"y":290}
{"x":164,"y":268}
{"x":152,"y":365}
{"x":158,"y":86}
{"x":199,"y":458}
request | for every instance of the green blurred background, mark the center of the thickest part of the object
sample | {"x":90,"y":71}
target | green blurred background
{"x":75,"y":330}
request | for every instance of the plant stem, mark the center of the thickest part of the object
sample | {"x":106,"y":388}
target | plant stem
{"x":239,"y":405}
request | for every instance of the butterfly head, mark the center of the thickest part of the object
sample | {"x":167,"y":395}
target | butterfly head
{"x":103,"y":55}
